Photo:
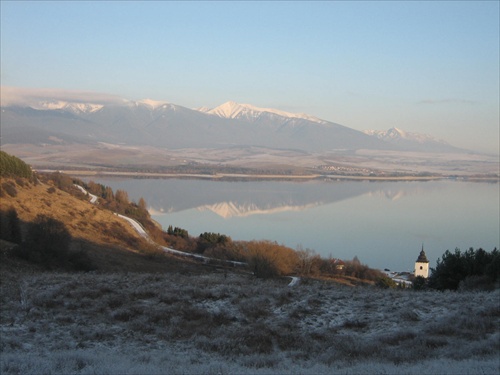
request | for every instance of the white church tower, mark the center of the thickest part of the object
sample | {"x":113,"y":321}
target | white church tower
{"x":422,"y":265}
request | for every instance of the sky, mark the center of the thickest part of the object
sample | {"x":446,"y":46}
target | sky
{"x":422,"y":66}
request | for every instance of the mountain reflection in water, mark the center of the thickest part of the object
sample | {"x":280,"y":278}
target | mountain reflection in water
{"x":383,"y":223}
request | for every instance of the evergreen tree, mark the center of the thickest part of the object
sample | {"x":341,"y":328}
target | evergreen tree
{"x":11,"y":166}
{"x":455,"y":268}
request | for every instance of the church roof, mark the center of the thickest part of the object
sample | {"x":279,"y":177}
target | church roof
{"x":422,"y":258}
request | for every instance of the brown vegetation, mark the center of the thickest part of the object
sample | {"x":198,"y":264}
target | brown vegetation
{"x":82,"y":219}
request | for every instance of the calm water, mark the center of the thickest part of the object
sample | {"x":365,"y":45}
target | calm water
{"x":383,"y":223}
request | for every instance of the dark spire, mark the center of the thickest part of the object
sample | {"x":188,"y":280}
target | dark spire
{"x":422,"y":258}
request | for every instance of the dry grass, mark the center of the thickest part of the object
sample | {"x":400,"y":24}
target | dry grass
{"x":82,"y":219}
{"x":234,"y":318}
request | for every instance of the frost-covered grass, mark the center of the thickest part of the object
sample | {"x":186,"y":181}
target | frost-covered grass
{"x":53,"y":323}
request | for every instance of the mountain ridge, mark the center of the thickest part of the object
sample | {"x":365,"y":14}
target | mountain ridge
{"x":412,"y":141}
{"x":148,"y":122}
{"x":168,"y":125}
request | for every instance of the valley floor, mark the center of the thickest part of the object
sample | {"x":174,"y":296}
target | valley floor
{"x":225,"y":323}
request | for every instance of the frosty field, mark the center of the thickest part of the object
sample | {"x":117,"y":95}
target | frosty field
{"x":229,"y":323}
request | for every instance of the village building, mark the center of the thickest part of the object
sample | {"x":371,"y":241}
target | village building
{"x":338,"y":264}
{"x":422,"y":265}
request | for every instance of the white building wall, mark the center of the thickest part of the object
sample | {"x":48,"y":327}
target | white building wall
{"x":422,"y":269}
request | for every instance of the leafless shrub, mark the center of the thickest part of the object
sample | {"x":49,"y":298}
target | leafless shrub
{"x":288,"y":340}
{"x":355,"y":324}
{"x":257,"y":339}
{"x":491,"y":311}
{"x":349,"y":349}
{"x":397,"y":338}
{"x":114,"y":301}
{"x":255,"y":309}
{"x":284,"y":297}
{"x":435,"y":342}
{"x":125,"y":314}
{"x":410,"y":316}
{"x":10,"y":188}
{"x":169,"y":297}
{"x":143,"y":293}
{"x":300,"y":312}
{"x":21,"y":181}
{"x":24,"y":296}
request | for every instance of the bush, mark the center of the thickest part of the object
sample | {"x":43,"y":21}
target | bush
{"x":9,"y":188}
{"x":268,"y":259}
{"x":419,"y":283}
{"x":386,"y":282}
{"x":47,"y":242}
{"x":62,"y":181}
{"x":10,"y":226}
{"x":263,"y":266}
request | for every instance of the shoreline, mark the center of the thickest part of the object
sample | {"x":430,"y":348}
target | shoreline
{"x":230,"y":176}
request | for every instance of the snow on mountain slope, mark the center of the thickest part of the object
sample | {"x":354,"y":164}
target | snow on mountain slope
{"x":233,"y":110}
{"x":395,"y":134}
{"x":413,"y":141}
{"x":152,"y":104}
{"x":87,"y":108}
{"x":67,"y":106}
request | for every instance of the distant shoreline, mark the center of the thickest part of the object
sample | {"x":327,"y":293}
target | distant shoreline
{"x":242,"y":176}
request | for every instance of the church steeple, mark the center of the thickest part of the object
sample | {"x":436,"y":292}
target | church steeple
{"x":422,"y":264}
{"x":422,"y":258}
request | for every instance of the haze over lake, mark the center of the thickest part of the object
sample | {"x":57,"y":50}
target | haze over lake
{"x":383,"y":223}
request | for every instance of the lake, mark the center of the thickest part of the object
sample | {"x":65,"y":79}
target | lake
{"x":384,"y":224}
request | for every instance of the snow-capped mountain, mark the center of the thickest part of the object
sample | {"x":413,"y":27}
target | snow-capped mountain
{"x":43,"y":117}
{"x":161,"y":124}
{"x":412,"y":141}
{"x":233,"y":110}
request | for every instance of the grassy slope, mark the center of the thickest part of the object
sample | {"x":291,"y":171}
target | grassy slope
{"x":111,"y":242}
{"x":82,"y":219}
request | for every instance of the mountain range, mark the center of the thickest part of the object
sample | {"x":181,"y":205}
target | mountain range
{"x":160,"y":124}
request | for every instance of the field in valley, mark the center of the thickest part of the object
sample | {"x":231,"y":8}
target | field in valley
{"x":253,"y":160}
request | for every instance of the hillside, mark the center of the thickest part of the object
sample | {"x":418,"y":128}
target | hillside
{"x":83,"y":220}
{"x":111,"y":243}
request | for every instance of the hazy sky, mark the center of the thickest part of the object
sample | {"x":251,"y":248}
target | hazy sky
{"x":422,"y":66}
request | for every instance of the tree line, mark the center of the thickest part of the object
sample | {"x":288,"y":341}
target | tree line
{"x":11,"y":166}
{"x":470,"y":269}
